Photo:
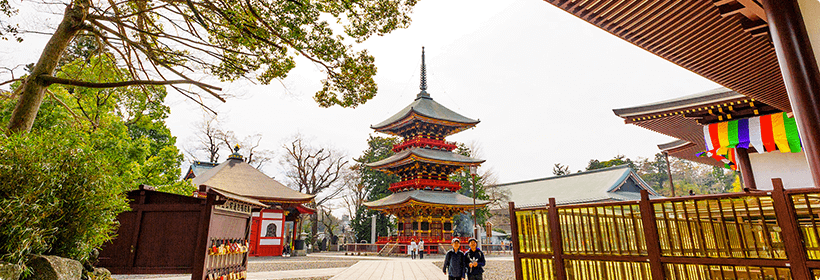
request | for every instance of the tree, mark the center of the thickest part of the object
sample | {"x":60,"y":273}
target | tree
{"x":356,"y":192}
{"x":207,"y":141}
{"x":560,"y":169}
{"x":375,"y":184}
{"x":313,"y":171}
{"x":163,"y":42}
{"x":64,"y":182}
{"x":479,"y":182}
{"x":211,"y":137}
{"x":618,"y":160}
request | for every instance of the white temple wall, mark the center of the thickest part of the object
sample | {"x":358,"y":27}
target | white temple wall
{"x":791,"y":167}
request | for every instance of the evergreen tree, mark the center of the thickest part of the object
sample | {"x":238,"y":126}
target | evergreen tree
{"x":378,"y":183}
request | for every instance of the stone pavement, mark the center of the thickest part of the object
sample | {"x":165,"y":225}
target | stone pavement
{"x":400,"y":269}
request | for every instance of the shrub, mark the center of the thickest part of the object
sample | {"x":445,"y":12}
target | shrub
{"x":56,"y":197}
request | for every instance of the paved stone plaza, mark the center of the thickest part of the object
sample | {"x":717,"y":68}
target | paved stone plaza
{"x":323,"y":266}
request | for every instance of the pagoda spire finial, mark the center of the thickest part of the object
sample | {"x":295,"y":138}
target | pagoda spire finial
{"x":423,"y":80}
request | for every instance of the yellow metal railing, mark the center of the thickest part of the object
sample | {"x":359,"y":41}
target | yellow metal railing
{"x":752,"y":235}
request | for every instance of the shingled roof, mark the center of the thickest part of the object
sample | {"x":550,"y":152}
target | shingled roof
{"x":424,"y":105}
{"x":427,"y":155}
{"x":683,"y":118}
{"x":425,"y":196}
{"x":236,"y":176}
{"x":616,"y":183}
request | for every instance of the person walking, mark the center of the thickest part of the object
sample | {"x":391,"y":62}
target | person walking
{"x":412,"y":248}
{"x":455,"y":262}
{"x":475,"y":260}
{"x":421,"y":248}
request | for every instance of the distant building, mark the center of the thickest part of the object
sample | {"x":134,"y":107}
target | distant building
{"x":273,"y":228}
{"x":618,"y":183}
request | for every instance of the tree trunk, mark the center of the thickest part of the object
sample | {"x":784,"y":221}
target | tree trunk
{"x":33,"y":88}
{"x":314,"y":230}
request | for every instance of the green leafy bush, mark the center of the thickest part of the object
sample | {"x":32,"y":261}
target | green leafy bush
{"x":56,"y":197}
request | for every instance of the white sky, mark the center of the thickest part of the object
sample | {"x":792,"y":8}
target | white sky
{"x":542,"y":82}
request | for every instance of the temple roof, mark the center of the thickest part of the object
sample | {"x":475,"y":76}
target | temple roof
{"x":425,"y":106}
{"x":197,"y":168}
{"x":709,"y":97}
{"x":424,"y":196}
{"x":683,"y":118}
{"x":713,"y":39}
{"x":616,"y":183}
{"x":236,"y":176}
{"x":426,"y":155}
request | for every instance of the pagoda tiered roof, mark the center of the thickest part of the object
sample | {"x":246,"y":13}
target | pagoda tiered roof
{"x":417,"y":154}
{"x":425,"y":197}
{"x":425,"y":109}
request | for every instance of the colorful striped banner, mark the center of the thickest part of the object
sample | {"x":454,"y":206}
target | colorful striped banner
{"x":764,"y":133}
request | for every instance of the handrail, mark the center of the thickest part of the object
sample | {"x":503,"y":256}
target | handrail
{"x":686,"y":236}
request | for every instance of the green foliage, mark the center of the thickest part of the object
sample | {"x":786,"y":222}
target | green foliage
{"x":687,"y":175}
{"x":618,"y":160}
{"x":128,"y":123}
{"x":7,"y":29}
{"x":62,"y":185}
{"x":57,"y":197}
{"x":378,"y":184}
{"x":560,"y":169}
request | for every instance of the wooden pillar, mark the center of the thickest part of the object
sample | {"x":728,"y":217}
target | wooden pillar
{"x":653,"y":247}
{"x":669,"y":172}
{"x":795,"y":250}
{"x":745,"y":168}
{"x":519,"y":275}
{"x":800,"y":74}
{"x":556,"y":241}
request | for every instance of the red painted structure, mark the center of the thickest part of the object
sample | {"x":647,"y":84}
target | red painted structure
{"x":424,"y":201}
{"x":283,"y":204}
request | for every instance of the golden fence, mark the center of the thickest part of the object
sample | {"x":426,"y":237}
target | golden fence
{"x":752,"y":235}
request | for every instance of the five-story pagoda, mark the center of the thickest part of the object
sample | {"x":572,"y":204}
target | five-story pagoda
{"x":424,"y":201}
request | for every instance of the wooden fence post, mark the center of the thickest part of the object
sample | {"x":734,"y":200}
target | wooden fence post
{"x":519,"y":275}
{"x":201,"y":251}
{"x":556,"y":241}
{"x":793,"y":243}
{"x":650,"y":227}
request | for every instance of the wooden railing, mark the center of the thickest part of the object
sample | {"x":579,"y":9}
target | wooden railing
{"x":750,"y":235}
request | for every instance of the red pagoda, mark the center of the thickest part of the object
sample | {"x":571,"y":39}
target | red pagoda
{"x":424,"y":201}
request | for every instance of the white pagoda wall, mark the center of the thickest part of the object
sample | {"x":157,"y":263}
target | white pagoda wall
{"x":791,"y":167}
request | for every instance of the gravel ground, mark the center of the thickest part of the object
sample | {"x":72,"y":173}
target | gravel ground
{"x":297,"y":263}
{"x":494,"y":270}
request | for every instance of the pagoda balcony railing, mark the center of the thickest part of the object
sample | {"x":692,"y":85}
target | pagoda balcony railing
{"x":425,"y":184}
{"x":427,"y":239}
{"x":425,"y":142}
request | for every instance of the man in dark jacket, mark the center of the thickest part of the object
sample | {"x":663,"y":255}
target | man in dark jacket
{"x":475,"y":260}
{"x":454,"y":262}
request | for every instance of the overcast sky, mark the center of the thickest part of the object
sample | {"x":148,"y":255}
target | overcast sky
{"x":542,"y":82}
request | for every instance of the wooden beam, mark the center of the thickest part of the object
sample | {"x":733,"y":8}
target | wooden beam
{"x":753,"y":8}
{"x":730,"y":9}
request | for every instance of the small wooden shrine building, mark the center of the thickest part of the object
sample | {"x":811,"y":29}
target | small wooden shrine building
{"x":272,"y":228}
{"x":424,"y":201}
{"x":729,"y":129}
